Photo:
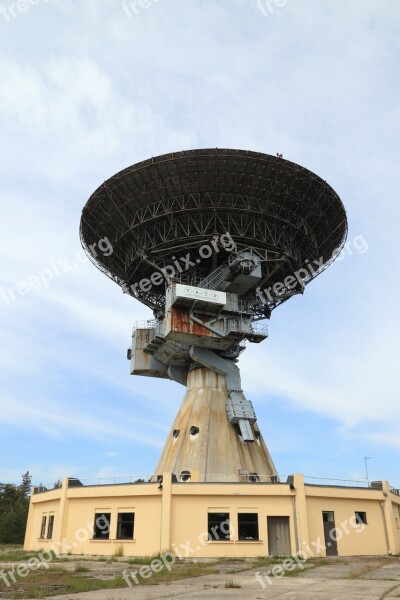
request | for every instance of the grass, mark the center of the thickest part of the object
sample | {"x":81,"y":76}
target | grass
{"x":56,"y":581}
{"x":265,"y":561}
{"x":179,"y":571}
{"x":296,"y":571}
{"x":144,"y":560}
{"x":324,"y":563}
{"x":366,"y":570}
{"x":232,"y":584}
{"x":119,"y":552}
{"x":232,"y":559}
{"x":16,"y":554}
{"x":4,"y":547}
{"x":81,"y":569}
{"x":234,"y":571}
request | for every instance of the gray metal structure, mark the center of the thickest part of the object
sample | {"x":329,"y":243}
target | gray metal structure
{"x":212,"y":241}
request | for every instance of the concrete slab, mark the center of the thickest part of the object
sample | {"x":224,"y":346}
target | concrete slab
{"x":286,"y":588}
{"x":386,"y":571}
{"x":352,"y":578}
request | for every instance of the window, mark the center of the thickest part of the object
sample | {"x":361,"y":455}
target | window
{"x":194,"y":430}
{"x":248,"y":526}
{"x":102,"y":526}
{"x":218,"y":526}
{"x":125,"y":526}
{"x":254,"y":478}
{"x":50,"y":527}
{"x":328,"y":516}
{"x":43,"y":527}
{"x":361,"y":517}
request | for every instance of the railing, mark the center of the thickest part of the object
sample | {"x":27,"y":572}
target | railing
{"x":118,"y":480}
{"x":328,"y":480}
{"x":149,"y":324}
{"x":209,"y":478}
{"x":240,"y":478}
{"x":216,"y":277}
{"x":78,"y":482}
{"x":260,"y":329}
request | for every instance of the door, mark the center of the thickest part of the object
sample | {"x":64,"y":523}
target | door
{"x":278,"y":536}
{"x":328,"y":518}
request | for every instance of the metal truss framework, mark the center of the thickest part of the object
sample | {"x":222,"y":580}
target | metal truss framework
{"x":159,"y":210}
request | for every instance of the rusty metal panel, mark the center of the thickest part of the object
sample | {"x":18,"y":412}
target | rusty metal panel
{"x":227,"y":333}
{"x":143,"y":363}
{"x":180,"y":327}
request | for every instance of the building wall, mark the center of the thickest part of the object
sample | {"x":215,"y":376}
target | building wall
{"x":352,"y":538}
{"x":74,"y":533}
{"x":395,"y":501}
{"x":190,"y":508}
{"x":175,"y":517}
{"x":81,"y":513}
{"x":49,"y":504}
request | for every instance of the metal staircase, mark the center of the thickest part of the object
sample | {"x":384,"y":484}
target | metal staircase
{"x":216,"y":278}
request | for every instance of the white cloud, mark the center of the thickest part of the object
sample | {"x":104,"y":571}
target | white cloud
{"x":102,"y":91}
{"x":112,"y":454}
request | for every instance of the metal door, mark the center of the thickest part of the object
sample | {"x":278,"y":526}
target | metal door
{"x":278,"y":536}
{"x":328,"y":518}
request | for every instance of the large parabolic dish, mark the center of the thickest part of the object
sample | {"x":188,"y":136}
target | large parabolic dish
{"x":167,"y":222}
{"x":157,"y":210}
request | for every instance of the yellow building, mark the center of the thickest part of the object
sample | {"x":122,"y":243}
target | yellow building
{"x":215,"y":519}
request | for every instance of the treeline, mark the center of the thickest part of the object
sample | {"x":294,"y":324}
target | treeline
{"x":14,"y":505}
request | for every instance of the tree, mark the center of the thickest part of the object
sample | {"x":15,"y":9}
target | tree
{"x":26,"y":484}
{"x":14,"y":506}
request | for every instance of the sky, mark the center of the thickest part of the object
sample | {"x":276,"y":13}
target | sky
{"x":89,"y":87}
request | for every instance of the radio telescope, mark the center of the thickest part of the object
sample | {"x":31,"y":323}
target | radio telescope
{"x":212,"y":241}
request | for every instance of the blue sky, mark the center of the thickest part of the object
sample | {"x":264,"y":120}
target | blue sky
{"x":88,"y":88}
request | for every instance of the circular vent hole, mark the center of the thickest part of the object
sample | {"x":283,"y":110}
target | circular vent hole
{"x":194,"y":430}
{"x":175,"y":433}
{"x":185,"y":476}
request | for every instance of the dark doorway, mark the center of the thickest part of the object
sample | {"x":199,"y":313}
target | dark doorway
{"x":328,"y":518}
{"x":278,"y":536}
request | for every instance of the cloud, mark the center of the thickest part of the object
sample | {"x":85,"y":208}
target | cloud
{"x":102,"y":91}
{"x":56,"y":421}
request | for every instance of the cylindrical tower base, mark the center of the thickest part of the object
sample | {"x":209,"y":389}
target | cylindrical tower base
{"x":204,"y":446}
